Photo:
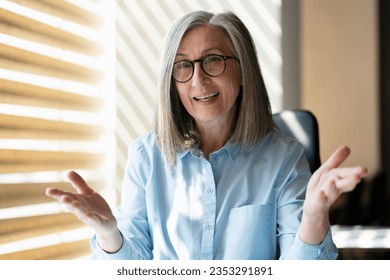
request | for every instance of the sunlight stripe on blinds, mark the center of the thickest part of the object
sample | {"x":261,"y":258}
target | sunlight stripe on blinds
{"x":16,"y":161}
{"x":51,"y":100}
{"x":26,"y":61}
{"x":25,"y":227}
{"x":13,"y":92}
{"x":30,"y":29}
{"x":35,"y":128}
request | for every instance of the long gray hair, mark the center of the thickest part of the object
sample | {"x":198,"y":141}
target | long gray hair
{"x":174,"y":127}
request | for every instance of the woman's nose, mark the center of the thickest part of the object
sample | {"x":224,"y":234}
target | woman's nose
{"x":199,"y":77}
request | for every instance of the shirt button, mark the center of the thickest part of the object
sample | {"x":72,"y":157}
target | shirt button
{"x":210,"y":190}
{"x":208,"y":227}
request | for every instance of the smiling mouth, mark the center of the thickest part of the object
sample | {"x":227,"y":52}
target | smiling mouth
{"x":207,"y":97}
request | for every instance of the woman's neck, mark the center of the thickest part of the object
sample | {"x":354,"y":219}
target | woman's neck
{"x":215,"y":133}
{"x":214,"y":138}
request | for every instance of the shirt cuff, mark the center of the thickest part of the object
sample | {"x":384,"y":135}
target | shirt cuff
{"x":100,"y":254}
{"x":326,"y":250}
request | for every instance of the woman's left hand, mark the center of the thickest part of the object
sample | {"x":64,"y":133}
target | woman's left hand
{"x":324,"y":188}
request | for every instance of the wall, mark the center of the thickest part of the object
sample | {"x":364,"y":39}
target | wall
{"x":339,"y":76}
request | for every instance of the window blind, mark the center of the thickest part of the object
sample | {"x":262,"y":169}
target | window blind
{"x":51,"y":103}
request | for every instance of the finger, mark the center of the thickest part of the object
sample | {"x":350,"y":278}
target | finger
{"x":56,"y":193}
{"x":73,"y":205}
{"x":86,"y":216}
{"x":330,"y":193}
{"x":79,"y":184}
{"x":343,"y":172}
{"x":353,"y":175}
{"x":336,"y":159}
{"x":349,"y":183}
{"x":338,"y":156}
{"x":336,"y":184}
{"x":52,"y":192}
{"x":66,"y":198}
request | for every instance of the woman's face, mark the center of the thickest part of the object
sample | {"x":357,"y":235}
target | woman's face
{"x":209,"y":100}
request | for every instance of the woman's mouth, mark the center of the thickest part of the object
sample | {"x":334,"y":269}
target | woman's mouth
{"x":208,"y":97}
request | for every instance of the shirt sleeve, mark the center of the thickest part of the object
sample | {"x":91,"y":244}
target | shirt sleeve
{"x":294,"y":177}
{"x":131,"y":214}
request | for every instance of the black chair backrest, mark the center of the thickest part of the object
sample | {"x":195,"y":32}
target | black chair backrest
{"x":301,"y":125}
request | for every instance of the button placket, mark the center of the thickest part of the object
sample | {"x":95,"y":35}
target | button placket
{"x":209,"y":204}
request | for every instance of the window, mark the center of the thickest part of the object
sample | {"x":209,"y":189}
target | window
{"x":55,"y":116}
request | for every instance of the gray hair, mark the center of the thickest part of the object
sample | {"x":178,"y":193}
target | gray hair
{"x":174,"y":127}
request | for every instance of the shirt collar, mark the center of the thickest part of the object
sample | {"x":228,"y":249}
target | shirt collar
{"x":232,"y":150}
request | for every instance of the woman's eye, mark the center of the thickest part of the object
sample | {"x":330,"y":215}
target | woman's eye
{"x":213,"y":60}
{"x":183,"y":65}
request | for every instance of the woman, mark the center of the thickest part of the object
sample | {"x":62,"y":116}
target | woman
{"x":215,"y":180}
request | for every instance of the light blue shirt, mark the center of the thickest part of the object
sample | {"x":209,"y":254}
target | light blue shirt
{"x":234,"y":205}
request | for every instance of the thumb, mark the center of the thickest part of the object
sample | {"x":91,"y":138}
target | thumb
{"x":79,"y":184}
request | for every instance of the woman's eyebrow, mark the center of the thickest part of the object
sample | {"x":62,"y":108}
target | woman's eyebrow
{"x":206,"y":51}
{"x":211,"y":49}
{"x":182,"y":54}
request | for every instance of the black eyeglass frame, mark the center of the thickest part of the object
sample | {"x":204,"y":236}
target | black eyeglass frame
{"x":201,"y":60}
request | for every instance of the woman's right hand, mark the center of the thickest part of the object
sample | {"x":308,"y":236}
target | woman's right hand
{"x":92,"y":209}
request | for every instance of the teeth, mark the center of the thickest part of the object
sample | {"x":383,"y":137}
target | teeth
{"x":206,"y":96}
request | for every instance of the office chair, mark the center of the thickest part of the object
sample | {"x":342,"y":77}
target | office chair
{"x":301,"y":125}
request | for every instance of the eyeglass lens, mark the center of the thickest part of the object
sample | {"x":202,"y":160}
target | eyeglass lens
{"x":212,"y":65}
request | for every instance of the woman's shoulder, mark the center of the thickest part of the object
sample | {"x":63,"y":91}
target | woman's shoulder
{"x":144,"y":144}
{"x":281,"y":151}
{"x":277,"y":137}
{"x":275,"y":142}
{"x":147,"y":139}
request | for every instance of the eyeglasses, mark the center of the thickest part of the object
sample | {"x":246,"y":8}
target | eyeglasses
{"x":213,"y":65}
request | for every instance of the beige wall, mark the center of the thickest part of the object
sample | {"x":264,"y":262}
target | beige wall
{"x":339,"y":77}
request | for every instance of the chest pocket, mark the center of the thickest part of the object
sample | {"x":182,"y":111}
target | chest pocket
{"x":251,"y":211}
{"x":251,"y":230}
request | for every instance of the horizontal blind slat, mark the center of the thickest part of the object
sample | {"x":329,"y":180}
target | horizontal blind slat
{"x":65,"y":10}
{"x":26,"y":61}
{"x":12,"y":92}
{"x":12,"y":156}
{"x":35,"y":128}
{"x":34,"y":193}
{"x":23,"y":27}
{"x":63,"y":251}
{"x":15,"y":161}
{"x":27,"y":227}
